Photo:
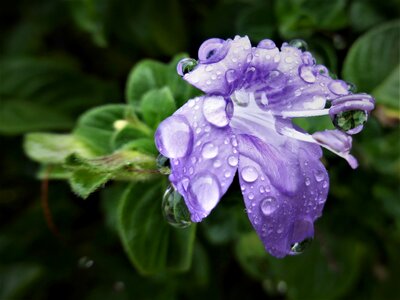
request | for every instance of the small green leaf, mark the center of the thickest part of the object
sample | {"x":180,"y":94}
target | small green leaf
{"x":50,"y":148}
{"x":150,"y":75}
{"x":156,"y":105}
{"x":152,"y":245}
{"x":373,"y":63}
{"x":83,"y":182}
{"x":96,"y":127}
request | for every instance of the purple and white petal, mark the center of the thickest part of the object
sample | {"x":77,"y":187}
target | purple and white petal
{"x":284,"y":189}
{"x":203,"y":153}
{"x":221,"y":65}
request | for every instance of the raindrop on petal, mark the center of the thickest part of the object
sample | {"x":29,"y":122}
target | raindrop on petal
{"x":306,"y":73}
{"x":266,"y":44}
{"x":209,"y":150}
{"x":298,"y":248}
{"x":214,"y":110}
{"x":163,"y":164}
{"x":350,"y":119}
{"x":232,"y":161}
{"x":299,"y":44}
{"x":206,"y":190}
{"x":268,"y":205}
{"x":249,"y":174}
{"x":186,"y":65}
{"x":174,"y":137}
{"x":319,"y":175}
{"x":338,"y":87}
{"x":174,"y":209}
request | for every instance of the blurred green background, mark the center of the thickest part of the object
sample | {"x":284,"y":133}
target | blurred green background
{"x":60,"y":58}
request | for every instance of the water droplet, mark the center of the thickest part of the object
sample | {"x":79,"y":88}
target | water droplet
{"x":262,"y":189}
{"x":206,"y":190}
{"x":269,"y":205}
{"x":241,"y":97}
{"x":209,"y":150}
{"x":227,"y":174}
{"x":352,"y":88}
{"x":186,"y":65}
{"x":319,"y":175}
{"x":214,"y":110}
{"x":325,"y":184}
{"x":288,"y":59}
{"x":163,"y":164}
{"x":276,"y":79}
{"x":266,"y":44}
{"x":85,"y":262}
{"x":249,"y":174}
{"x":217,"y":163}
{"x":307,"y":74}
{"x":251,"y":196}
{"x":308,"y":182}
{"x":298,"y":248}
{"x":350,"y":119}
{"x":174,"y":209}
{"x":174,"y":137}
{"x":232,"y":161}
{"x":299,"y":44}
{"x":230,"y":76}
{"x":338,"y":87}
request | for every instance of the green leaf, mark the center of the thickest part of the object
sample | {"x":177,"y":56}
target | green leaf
{"x":46,"y":94}
{"x":303,"y":17}
{"x":83,"y":182}
{"x":150,"y":75}
{"x":157,"y":105}
{"x":322,"y":272}
{"x":18,"y":116}
{"x":97,"y":126}
{"x":50,"y":148}
{"x":89,"y":16}
{"x":17,"y":280}
{"x":152,"y":245}
{"x":373,"y":63}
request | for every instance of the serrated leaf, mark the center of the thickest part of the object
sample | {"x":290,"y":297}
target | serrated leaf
{"x":50,"y":148}
{"x":156,"y":105}
{"x":373,"y":63}
{"x":83,"y":182}
{"x":152,"y":245}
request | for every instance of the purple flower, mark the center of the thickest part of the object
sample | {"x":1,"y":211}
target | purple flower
{"x":244,"y":123}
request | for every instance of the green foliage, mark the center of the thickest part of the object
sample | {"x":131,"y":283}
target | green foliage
{"x":383,"y":81}
{"x":152,"y":245}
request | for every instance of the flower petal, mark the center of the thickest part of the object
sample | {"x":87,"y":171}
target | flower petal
{"x":221,"y":65}
{"x":206,"y":170}
{"x":284,"y":189}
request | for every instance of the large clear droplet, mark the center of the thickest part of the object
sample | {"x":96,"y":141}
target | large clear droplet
{"x":298,"y":248}
{"x":207,"y":191}
{"x":163,"y":164}
{"x":186,"y":65}
{"x":268,"y":205}
{"x":174,"y":209}
{"x":209,"y":150}
{"x":214,"y":110}
{"x":350,"y":119}
{"x":174,"y":137}
{"x":307,"y":74}
{"x":249,"y":174}
{"x":299,"y":44}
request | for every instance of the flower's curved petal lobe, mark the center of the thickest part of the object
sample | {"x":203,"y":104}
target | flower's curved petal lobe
{"x":204,"y":156}
{"x":291,"y":80}
{"x":221,"y":65}
{"x":284,"y":189}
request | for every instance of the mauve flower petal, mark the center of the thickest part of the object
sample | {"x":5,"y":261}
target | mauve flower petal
{"x":281,"y":216}
{"x":219,"y":77}
{"x":204,"y":174}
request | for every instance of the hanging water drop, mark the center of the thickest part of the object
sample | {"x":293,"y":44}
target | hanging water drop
{"x":174,"y":209}
{"x":186,"y":65}
{"x":299,"y":44}
{"x":249,"y":174}
{"x":163,"y":164}
{"x":350,"y":119}
{"x":298,"y":248}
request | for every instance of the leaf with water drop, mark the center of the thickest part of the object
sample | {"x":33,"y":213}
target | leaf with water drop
{"x":152,"y":245}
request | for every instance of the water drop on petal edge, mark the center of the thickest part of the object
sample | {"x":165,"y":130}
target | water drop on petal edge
{"x":174,"y":209}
